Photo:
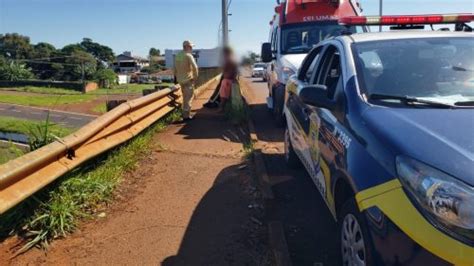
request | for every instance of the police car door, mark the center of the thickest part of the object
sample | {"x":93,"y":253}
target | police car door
{"x":330,"y":147}
{"x":296,"y":111}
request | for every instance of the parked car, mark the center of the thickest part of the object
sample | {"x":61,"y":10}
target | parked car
{"x":383,"y":123}
{"x":258,"y":70}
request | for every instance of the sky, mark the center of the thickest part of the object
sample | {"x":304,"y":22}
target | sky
{"x":138,"y":25}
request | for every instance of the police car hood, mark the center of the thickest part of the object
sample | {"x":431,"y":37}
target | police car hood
{"x":292,"y":61}
{"x":441,"y":138}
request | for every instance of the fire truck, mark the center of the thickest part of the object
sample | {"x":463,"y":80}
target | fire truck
{"x":296,"y":27}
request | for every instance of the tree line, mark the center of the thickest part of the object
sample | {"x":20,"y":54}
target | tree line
{"x":86,"y":60}
{"x":20,"y":59}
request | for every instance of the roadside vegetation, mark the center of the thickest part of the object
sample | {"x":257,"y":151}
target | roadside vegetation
{"x":8,"y":151}
{"x":57,"y":210}
{"x":39,"y":133}
{"x":45,"y":100}
{"x":23,"y":126}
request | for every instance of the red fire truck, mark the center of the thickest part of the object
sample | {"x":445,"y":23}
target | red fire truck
{"x":295,"y":28}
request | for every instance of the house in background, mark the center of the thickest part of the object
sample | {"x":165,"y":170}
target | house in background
{"x":126,"y":63}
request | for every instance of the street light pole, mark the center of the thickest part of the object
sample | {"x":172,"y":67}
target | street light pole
{"x":225,"y":24}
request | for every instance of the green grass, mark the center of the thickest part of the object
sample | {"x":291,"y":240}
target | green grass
{"x":127,"y":88}
{"x":116,"y":89}
{"x":9,"y":152}
{"x":56,"y":210}
{"x":23,"y":126}
{"x":45,"y":100}
{"x":43,"y":90}
{"x":101,"y":108}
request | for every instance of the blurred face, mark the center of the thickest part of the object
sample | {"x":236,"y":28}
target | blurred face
{"x":188,"y":48}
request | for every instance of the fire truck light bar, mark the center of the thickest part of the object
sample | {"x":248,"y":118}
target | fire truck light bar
{"x":407,"y":20}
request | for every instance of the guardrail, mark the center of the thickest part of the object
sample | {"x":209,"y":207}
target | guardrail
{"x":22,"y":177}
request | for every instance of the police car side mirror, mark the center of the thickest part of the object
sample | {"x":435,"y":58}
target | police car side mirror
{"x":267,"y":53}
{"x":316,"y":95}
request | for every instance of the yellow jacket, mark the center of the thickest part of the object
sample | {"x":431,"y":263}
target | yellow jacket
{"x":185,"y":68}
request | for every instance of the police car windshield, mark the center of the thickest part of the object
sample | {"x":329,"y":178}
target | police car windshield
{"x":438,"y":70}
{"x":259,"y":66}
{"x":300,"y":38}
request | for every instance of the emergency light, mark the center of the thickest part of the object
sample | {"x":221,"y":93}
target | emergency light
{"x":406,"y":20}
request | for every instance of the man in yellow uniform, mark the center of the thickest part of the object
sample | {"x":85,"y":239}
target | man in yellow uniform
{"x":186,"y":74}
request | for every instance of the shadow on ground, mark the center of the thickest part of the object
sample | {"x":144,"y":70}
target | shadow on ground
{"x":223,"y":229}
{"x":310,"y":230}
{"x":210,"y":124}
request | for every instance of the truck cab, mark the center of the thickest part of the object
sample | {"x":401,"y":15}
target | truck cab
{"x":296,"y":27}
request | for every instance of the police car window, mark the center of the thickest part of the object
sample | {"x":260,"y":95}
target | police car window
{"x":435,"y":69}
{"x":309,"y":65}
{"x":312,"y":67}
{"x":329,"y":71}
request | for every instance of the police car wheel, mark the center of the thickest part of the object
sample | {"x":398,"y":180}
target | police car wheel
{"x":355,"y":245}
{"x":291,"y":158}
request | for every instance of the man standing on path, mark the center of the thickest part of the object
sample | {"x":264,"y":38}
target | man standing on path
{"x":186,"y":74}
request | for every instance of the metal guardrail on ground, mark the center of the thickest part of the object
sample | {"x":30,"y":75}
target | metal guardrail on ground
{"x":22,"y":177}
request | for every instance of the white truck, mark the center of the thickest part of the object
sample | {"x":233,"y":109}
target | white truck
{"x":295,"y":28}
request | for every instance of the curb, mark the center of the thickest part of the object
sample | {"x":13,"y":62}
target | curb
{"x":276,"y":233}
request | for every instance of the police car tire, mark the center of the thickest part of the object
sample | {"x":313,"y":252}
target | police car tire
{"x":291,"y":158}
{"x":350,"y":208}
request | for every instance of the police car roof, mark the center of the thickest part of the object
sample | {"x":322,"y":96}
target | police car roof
{"x":405,"y":34}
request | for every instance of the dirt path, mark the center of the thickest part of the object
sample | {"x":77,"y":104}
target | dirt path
{"x":192,"y":202}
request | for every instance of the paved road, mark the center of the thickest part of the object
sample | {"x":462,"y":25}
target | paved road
{"x":67,"y":119}
{"x":309,"y":228}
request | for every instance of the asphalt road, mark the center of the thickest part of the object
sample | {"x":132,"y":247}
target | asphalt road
{"x":66,"y":119}
{"x":310,"y":230}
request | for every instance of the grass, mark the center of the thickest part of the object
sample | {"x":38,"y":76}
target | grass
{"x":127,"y":88}
{"x":9,"y":152}
{"x":43,"y":90}
{"x":100,"y":109}
{"x":56,"y":210}
{"x":249,"y":149}
{"x":23,"y":126}
{"x":45,"y":100}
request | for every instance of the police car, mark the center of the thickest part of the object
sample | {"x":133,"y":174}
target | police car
{"x":384,"y":124}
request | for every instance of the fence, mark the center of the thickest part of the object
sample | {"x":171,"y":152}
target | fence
{"x":22,"y":177}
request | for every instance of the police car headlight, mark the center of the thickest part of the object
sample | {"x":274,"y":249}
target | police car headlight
{"x":448,"y":202}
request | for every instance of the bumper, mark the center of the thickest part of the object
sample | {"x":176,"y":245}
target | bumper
{"x":393,"y":247}
{"x":411,"y":235}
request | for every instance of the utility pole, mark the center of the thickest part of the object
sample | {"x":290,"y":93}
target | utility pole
{"x":225,"y":24}
{"x":380,"y":12}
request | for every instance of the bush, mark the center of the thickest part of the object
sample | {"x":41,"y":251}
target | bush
{"x":105,"y":78}
{"x":13,"y":71}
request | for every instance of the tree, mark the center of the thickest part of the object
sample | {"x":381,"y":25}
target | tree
{"x":250,"y":58}
{"x":154,"y":52}
{"x":100,"y":52}
{"x":15,"y":46}
{"x":42,"y":54}
{"x":79,"y":65}
{"x":105,"y":77}
{"x":13,"y":71}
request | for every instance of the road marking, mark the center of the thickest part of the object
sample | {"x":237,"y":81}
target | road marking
{"x":37,"y":113}
{"x":76,"y":118}
{"x":16,"y":111}
{"x":55,"y":115}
